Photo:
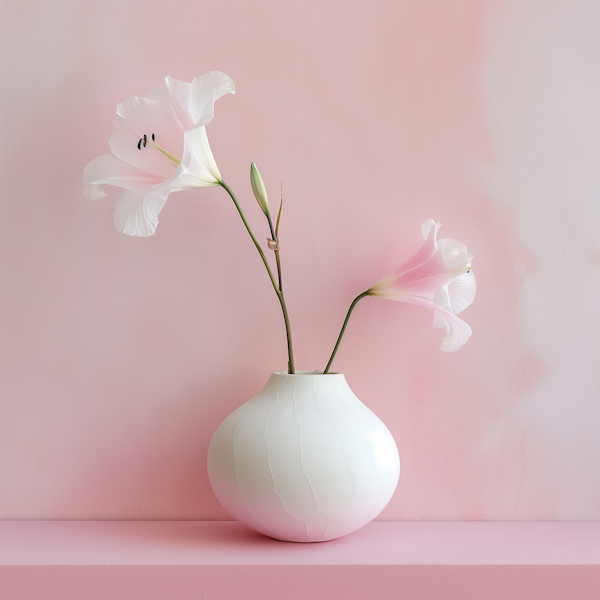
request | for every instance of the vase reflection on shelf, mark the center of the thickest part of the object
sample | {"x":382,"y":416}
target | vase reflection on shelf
{"x":304,"y":460}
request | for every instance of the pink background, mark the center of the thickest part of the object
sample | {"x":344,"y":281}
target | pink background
{"x":120,"y":356}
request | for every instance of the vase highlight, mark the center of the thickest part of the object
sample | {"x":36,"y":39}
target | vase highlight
{"x":304,"y":460}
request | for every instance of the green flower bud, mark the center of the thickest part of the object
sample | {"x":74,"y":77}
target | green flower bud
{"x":258,"y":187}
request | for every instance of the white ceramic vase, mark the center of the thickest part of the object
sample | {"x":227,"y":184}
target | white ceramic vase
{"x":304,"y":460}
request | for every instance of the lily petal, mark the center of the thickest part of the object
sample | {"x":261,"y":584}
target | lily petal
{"x":93,"y":192}
{"x":175,"y":96}
{"x":439,"y":321}
{"x":427,"y":226}
{"x":451,"y":247}
{"x":205,"y":91}
{"x":442,"y":298}
{"x":457,"y":333}
{"x":140,"y":116}
{"x":198,"y":166}
{"x":387,"y":286}
{"x":456,"y":257}
{"x":137,"y":214}
{"x":108,"y":169}
{"x":461,"y":291}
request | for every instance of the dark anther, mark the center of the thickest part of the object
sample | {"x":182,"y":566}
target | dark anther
{"x":140,"y":144}
{"x":145,"y":140}
{"x":152,"y":137}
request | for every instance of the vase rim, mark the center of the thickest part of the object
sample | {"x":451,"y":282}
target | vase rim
{"x":305,"y":373}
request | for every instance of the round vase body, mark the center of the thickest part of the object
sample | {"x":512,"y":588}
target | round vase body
{"x":304,"y":460}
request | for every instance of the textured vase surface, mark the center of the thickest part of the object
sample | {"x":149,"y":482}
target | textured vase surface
{"x":304,"y":460}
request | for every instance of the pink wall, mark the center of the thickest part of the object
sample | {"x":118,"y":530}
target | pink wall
{"x":120,"y":356}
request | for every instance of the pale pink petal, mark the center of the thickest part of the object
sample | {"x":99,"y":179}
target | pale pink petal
{"x":206,"y":90}
{"x":461,"y":291}
{"x":137,"y":117}
{"x":93,"y":191}
{"x":452,"y":246}
{"x":192,"y":104}
{"x":457,"y":331}
{"x":457,"y":334}
{"x":198,"y":166}
{"x":442,"y":298}
{"x":108,"y":169}
{"x":426,"y":251}
{"x":427,"y":226}
{"x":456,"y":257}
{"x":137,"y":214}
{"x":439,"y":321}
{"x":392,"y":282}
{"x":175,"y":95}
{"x":386,"y":288}
{"x":424,"y":279}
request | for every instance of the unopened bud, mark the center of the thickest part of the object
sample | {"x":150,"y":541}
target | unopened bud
{"x":258,"y":187}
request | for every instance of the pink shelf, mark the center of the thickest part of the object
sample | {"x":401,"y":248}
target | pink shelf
{"x":47,"y":560}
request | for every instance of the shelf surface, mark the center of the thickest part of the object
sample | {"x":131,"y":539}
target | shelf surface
{"x":224,"y":560}
{"x":230,"y":543}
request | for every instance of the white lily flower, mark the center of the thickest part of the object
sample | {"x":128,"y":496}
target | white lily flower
{"x":438,"y":277}
{"x":160,"y":146}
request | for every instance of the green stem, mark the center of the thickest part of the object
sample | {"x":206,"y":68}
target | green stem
{"x":262,"y":254}
{"x":279,"y":293}
{"x":288,"y":331}
{"x":274,"y":237}
{"x":273,"y":234}
{"x":354,"y":303}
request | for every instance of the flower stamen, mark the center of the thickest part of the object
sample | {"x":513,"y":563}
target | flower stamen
{"x":144,"y":140}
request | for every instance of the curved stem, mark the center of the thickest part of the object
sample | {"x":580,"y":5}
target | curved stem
{"x":288,"y":331}
{"x":279,"y":293}
{"x":273,"y":234}
{"x":274,"y":237}
{"x":279,"y":270}
{"x":262,"y":254}
{"x":354,"y":303}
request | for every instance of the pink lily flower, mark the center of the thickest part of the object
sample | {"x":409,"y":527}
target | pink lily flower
{"x":438,"y":277}
{"x":160,"y":146}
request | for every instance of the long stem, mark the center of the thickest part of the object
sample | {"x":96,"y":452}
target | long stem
{"x":282,"y":299}
{"x":262,"y":254}
{"x":288,"y":331}
{"x":274,"y":236}
{"x":279,"y":293}
{"x":354,"y":303}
